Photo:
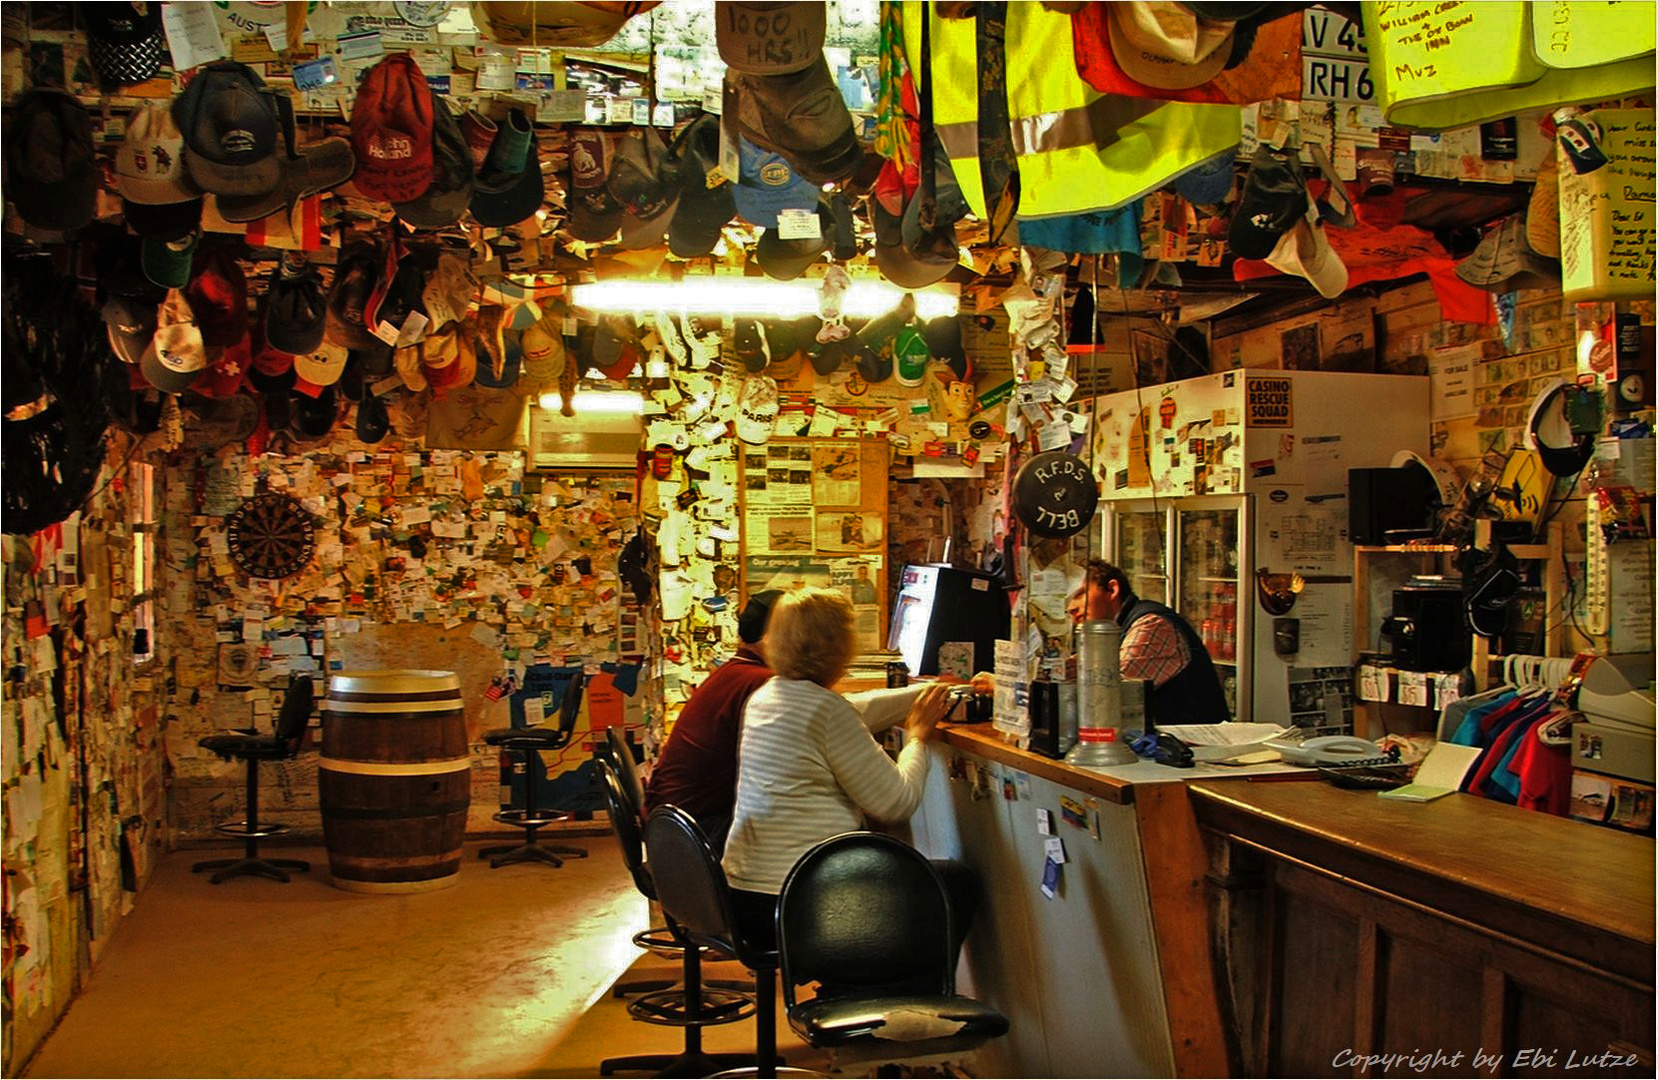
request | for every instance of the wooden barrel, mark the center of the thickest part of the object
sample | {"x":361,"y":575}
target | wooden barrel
{"x":395,"y":779}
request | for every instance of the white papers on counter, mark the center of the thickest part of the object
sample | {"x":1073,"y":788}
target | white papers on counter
{"x":1231,"y":742}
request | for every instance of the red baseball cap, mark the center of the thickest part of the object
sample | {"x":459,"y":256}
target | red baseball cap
{"x":391,"y":131}
{"x":1270,"y":67}
{"x":227,"y":370}
{"x":218,"y":294}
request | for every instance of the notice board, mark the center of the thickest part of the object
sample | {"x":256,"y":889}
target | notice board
{"x":814,"y":512}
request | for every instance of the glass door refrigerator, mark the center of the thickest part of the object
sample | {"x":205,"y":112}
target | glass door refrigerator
{"x":1185,"y":553}
{"x":1208,"y":482}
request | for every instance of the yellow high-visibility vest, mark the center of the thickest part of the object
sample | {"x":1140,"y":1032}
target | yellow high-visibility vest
{"x":1078,"y":150}
{"x":1440,"y":65}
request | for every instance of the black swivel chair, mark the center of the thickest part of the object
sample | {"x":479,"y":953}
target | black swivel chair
{"x":527,"y":741}
{"x":691,"y":886}
{"x":616,"y":750}
{"x":866,"y":917}
{"x":692,"y":1007}
{"x":252,"y":747}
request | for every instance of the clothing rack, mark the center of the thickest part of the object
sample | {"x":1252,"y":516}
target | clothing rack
{"x":1524,"y":672}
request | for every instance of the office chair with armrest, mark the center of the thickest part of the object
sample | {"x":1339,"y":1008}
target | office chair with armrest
{"x":528,"y":741}
{"x":252,"y":747}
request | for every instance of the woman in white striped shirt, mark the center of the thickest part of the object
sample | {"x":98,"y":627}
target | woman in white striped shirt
{"x":808,"y":768}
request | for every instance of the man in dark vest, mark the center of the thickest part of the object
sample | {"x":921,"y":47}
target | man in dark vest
{"x":1157,"y":645}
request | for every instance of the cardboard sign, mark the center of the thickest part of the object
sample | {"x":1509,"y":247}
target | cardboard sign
{"x":1268,"y":403}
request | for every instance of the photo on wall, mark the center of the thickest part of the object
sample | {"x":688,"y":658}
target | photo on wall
{"x":849,"y":530}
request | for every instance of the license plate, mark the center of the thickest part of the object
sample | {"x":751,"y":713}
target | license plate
{"x":1327,"y":33}
{"x":1329,"y":78}
{"x":1334,"y":62}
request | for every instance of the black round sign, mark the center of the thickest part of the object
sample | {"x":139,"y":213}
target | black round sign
{"x":1055,"y":494}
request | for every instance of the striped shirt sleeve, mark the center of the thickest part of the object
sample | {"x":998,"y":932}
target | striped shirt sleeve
{"x":881,"y":790}
{"x":883,"y":708}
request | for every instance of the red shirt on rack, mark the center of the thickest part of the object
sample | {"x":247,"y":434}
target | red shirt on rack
{"x":1545,"y":772}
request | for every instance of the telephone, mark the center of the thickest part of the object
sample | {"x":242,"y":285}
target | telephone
{"x":1328,"y":750}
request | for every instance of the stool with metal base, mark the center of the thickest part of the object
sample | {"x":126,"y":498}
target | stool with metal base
{"x":616,"y":752}
{"x":691,"y":1004}
{"x":691,"y":886}
{"x":252,"y":747}
{"x":528,"y":741}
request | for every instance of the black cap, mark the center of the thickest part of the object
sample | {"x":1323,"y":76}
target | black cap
{"x":295,"y":311}
{"x":52,"y":172}
{"x":125,"y":44}
{"x":1274,"y":198}
{"x":314,"y":417}
{"x":751,"y":621}
{"x":703,"y":211}
{"x":451,"y":192}
{"x":372,"y":420}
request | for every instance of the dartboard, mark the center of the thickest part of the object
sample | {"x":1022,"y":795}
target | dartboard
{"x":271,"y":536}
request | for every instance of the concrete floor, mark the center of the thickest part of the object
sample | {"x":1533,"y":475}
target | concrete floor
{"x":254,"y":978}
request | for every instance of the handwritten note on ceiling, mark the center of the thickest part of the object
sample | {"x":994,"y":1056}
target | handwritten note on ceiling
{"x":1583,"y":33}
{"x":1608,"y":217}
{"x":1440,"y":64}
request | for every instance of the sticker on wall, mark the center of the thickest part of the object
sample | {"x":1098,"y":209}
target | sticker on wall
{"x":1268,"y":403}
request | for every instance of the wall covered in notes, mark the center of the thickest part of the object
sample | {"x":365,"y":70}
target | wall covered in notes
{"x":424,"y":559}
{"x":84,"y":800}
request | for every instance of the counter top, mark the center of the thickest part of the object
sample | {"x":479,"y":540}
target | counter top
{"x":1587,"y":891}
{"x":983,"y":740}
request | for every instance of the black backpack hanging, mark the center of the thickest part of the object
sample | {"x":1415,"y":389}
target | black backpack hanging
{"x":56,"y":360}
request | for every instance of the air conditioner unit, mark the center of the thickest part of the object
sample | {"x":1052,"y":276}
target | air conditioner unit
{"x":602,"y":435}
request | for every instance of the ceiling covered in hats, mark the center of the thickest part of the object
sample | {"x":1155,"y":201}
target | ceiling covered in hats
{"x":315,"y":210}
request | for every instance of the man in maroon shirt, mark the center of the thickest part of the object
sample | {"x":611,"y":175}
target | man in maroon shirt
{"x":697,"y":767}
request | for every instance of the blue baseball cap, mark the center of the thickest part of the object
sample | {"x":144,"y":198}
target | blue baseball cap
{"x":769,"y":184}
{"x":1207,"y":182}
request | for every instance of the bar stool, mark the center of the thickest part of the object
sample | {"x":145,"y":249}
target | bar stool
{"x":527,"y":741}
{"x":252,"y":747}
{"x":616,"y":753}
{"x":692,"y":889}
{"x":692,"y":1004}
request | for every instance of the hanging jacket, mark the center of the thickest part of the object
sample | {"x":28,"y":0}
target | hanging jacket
{"x":1078,"y":150}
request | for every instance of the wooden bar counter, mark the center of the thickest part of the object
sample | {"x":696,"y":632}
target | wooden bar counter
{"x":1360,"y":926}
{"x":1218,"y":927}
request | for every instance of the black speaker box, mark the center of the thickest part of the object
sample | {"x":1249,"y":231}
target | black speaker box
{"x":1389,"y":506}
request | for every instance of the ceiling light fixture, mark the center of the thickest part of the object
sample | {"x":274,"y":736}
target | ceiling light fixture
{"x":615,"y":402}
{"x":756,"y":297}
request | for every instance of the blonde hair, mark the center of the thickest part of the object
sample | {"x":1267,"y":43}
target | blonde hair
{"x":811,"y":636}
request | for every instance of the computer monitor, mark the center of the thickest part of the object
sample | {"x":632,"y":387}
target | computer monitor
{"x":938,"y":604}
